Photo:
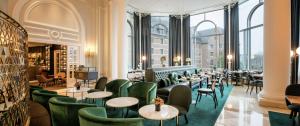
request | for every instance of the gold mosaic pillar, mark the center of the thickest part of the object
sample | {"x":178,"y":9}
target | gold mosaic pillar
{"x":13,"y":72}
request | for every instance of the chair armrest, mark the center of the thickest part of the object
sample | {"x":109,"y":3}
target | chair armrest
{"x":151,"y":94}
{"x":123,"y":89}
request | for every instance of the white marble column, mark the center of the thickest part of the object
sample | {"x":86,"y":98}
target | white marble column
{"x":277,"y":39}
{"x":113,"y":44}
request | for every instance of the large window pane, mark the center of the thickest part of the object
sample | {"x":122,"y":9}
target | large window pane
{"x":159,"y":40}
{"x":258,"y":16}
{"x":256,"y":61}
{"x":244,"y":10}
{"x":207,"y":40}
{"x":129,"y":33}
{"x":251,"y":37}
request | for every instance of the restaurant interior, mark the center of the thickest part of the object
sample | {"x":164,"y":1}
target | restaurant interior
{"x":149,"y":63}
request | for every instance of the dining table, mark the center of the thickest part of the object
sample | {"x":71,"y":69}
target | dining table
{"x":166,"y":112}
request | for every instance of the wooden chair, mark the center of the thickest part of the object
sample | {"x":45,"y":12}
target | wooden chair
{"x":208,"y":91}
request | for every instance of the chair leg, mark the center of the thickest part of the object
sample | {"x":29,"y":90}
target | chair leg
{"x":256,"y":88}
{"x":216,"y":98}
{"x":126,"y":113}
{"x":222,"y":94}
{"x":247,"y":88}
{"x":200,"y":97}
{"x":251,"y":89}
{"x":186,"y":119}
{"x":295,"y":114}
{"x":197,"y":99}
{"x":291,"y":114}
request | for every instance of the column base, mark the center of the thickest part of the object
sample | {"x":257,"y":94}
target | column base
{"x":274,"y":103}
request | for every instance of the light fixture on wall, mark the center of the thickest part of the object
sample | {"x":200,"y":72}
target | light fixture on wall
{"x":176,"y":60}
{"x":140,"y":66}
{"x":188,"y":61}
{"x":229,"y":57}
{"x":144,"y":58}
{"x":295,"y":53}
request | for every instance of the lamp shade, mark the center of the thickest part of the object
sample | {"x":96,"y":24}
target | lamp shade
{"x":291,"y":53}
{"x":298,"y":51}
{"x":178,"y":58}
{"x":229,"y":56}
{"x":144,"y":58}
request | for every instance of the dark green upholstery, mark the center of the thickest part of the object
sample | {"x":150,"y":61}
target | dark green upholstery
{"x":118,"y":87}
{"x":144,"y":91}
{"x":32,"y":88}
{"x":96,"y":116}
{"x":173,"y":78}
{"x":187,"y":74}
{"x":43,"y":96}
{"x":100,"y":85}
{"x":181,"y":98}
{"x":64,"y":111}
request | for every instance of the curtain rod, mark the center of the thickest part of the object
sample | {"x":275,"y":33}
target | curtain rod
{"x":220,"y":8}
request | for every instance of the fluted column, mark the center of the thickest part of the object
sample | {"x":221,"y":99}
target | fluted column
{"x":277,"y":39}
{"x":112,"y":47}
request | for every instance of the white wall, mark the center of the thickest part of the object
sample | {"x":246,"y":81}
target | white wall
{"x":95,"y":25}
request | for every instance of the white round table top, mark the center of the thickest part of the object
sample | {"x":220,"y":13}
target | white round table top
{"x":99,"y":94}
{"x":122,"y":102}
{"x":74,"y":90}
{"x":166,"y":112}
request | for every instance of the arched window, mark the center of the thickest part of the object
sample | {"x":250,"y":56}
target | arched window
{"x":159,"y":40}
{"x":251,"y":35}
{"x":129,"y":33}
{"x":207,"y":40}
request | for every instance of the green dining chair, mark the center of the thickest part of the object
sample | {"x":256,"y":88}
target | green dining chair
{"x":96,"y":116}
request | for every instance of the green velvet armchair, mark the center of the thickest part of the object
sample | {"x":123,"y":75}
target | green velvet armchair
{"x":144,"y":91}
{"x":33,"y":88}
{"x":43,"y":96}
{"x":64,"y":111}
{"x":118,"y":87}
{"x":100,"y":85}
{"x":96,"y":116}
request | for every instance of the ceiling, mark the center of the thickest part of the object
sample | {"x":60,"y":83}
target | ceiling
{"x":177,"y":6}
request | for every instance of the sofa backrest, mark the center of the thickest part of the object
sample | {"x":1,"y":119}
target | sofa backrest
{"x":156,"y":74}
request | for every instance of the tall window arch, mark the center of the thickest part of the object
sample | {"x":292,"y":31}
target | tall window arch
{"x":207,"y":40}
{"x":159,"y":40}
{"x":129,"y":33}
{"x":251,"y":35}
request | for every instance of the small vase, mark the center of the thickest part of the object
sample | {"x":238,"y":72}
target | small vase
{"x":157,"y":107}
{"x":78,"y":87}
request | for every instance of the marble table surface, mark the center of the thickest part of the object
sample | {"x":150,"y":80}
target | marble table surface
{"x":166,"y":112}
{"x":122,"y":102}
{"x":99,"y":94}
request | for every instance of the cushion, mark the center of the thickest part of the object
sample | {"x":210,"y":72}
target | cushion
{"x":162,"y":83}
{"x":165,"y":90}
{"x":168,"y":81}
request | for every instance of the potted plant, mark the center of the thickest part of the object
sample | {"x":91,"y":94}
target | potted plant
{"x":158,"y":103}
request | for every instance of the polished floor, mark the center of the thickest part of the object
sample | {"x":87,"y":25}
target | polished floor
{"x":241,"y":108}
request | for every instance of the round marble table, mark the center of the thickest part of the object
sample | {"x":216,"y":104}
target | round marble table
{"x":122,"y":102}
{"x":74,"y":90}
{"x":166,"y":112}
{"x":99,"y":94}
